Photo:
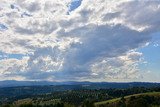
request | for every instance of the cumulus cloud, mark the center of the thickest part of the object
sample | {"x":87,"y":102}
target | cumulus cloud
{"x":121,"y":67}
{"x":12,"y":67}
{"x":36,"y":27}
{"x":97,"y":40}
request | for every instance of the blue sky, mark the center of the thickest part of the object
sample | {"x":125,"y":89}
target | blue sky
{"x":74,"y":5}
{"x":151,"y":52}
{"x":151,"y":55}
{"x":3,"y":27}
{"x":80,"y":40}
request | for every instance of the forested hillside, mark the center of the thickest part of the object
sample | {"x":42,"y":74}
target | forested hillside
{"x":113,"y":97}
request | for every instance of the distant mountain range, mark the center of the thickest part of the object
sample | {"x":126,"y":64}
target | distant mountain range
{"x":13,"y":83}
{"x":94,"y":85}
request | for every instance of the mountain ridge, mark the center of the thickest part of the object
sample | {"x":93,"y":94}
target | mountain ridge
{"x":14,"y":83}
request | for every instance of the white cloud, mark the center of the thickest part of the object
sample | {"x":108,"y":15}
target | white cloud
{"x":121,"y":67}
{"x":97,"y":40}
{"x":11,"y":68}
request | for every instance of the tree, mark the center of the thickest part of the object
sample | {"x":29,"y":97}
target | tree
{"x":88,"y":103}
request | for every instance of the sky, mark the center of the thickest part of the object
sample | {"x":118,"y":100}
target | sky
{"x":80,"y":40}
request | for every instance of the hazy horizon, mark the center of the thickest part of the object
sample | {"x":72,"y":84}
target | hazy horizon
{"x":80,"y":40}
{"x":80,"y":81}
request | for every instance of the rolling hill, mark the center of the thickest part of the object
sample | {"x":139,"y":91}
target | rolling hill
{"x":150,"y":99}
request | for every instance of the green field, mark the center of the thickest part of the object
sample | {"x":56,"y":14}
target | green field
{"x":113,"y":102}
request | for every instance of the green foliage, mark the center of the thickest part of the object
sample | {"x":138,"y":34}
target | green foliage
{"x":6,"y":105}
{"x":88,"y":103}
{"x":74,"y":98}
{"x":27,"y":105}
